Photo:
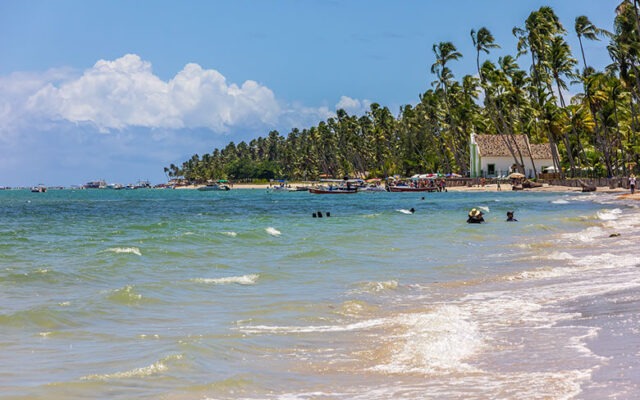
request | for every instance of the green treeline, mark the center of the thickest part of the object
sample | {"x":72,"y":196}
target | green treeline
{"x":595,"y":131}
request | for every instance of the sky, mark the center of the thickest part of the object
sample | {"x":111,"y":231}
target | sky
{"x":118,"y":90}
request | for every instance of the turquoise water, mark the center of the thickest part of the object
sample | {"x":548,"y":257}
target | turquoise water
{"x":181,"y":294}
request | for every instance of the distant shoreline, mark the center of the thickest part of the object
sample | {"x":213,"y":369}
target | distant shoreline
{"x":624,"y":193}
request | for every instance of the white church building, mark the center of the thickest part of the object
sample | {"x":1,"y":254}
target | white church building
{"x":498,"y":155}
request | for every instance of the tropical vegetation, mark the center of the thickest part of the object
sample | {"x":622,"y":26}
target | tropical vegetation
{"x":595,"y":131}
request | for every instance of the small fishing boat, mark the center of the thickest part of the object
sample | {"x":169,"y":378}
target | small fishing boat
{"x":39,"y":189}
{"x":336,"y":186}
{"x":406,"y":188}
{"x":214,"y":187}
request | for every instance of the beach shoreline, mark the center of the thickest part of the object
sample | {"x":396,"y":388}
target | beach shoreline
{"x":624,"y":193}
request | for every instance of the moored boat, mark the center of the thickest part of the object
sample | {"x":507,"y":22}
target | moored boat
{"x":39,"y":189}
{"x":101,"y":184}
{"x":405,"y":188}
{"x":336,"y":186}
{"x":328,"y":189}
{"x":214,"y":187}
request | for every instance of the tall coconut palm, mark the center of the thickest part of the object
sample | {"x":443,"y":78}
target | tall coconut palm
{"x":483,"y":40}
{"x":446,"y":52}
{"x":585,"y":28}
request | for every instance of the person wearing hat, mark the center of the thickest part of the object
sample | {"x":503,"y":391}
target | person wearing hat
{"x":475,"y":216}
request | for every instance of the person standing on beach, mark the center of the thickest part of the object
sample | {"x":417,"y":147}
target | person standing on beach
{"x":632,"y":183}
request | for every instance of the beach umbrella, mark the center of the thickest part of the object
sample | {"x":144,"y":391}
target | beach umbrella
{"x":515,"y":175}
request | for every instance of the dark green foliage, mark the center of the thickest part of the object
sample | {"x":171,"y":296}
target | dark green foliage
{"x":595,"y":132}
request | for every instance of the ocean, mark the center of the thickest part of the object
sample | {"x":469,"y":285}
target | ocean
{"x":180,"y":294}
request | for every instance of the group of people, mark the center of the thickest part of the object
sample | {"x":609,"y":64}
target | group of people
{"x":477,"y":217}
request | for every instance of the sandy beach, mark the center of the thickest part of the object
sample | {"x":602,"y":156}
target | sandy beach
{"x":624,"y":193}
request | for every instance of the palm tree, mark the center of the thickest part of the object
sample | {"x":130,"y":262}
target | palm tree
{"x":446,"y":52}
{"x":483,"y":40}
{"x":585,"y":28}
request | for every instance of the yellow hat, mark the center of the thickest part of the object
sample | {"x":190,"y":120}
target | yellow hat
{"x":474,"y":212}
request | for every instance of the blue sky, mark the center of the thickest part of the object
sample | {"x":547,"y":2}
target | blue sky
{"x":117,"y":90}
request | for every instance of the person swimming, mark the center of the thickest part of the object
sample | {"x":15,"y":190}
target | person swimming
{"x":475,"y":216}
{"x":510,"y":217}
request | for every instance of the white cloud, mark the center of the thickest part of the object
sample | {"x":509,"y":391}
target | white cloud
{"x":125,"y":92}
{"x":49,"y":120}
{"x":353,"y":106}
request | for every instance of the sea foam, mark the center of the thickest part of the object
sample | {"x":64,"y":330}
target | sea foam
{"x":439,"y":340}
{"x":273,"y":231}
{"x":240,"y":280}
{"x":404,"y":211}
{"x":150,"y":370}
{"x":609,"y":215}
{"x":125,"y":250}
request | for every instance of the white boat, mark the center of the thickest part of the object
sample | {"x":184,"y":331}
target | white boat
{"x":280,"y":186}
{"x":374,"y":188}
{"x":214,"y":187}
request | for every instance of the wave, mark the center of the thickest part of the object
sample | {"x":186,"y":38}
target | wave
{"x":404,"y":211}
{"x":156,"y":368}
{"x":284,"y":330}
{"x":438,"y":340}
{"x":40,"y":274}
{"x":229,"y":233}
{"x":125,"y":250}
{"x":587,"y":235}
{"x":42,"y":317}
{"x":377,"y":287}
{"x":273,"y":231}
{"x":250,"y":279}
{"x":609,"y":215}
{"x":560,"y":201}
{"x":128,"y":296}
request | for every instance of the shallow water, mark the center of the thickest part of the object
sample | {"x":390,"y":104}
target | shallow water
{"x":243,"y":295}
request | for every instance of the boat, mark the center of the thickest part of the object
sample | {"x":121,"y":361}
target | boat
{"x":101,"y":184}
{"x":336,"y":186}
{"x":279,"y":186}
{"x":374,"y":188}
{"x":142,"y":185}
{"x":328,"y":189}
{"x":406,"y":188}
{"x":214,"y":187}
{"x":39,"y":189}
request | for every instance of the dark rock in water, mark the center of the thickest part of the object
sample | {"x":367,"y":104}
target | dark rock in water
{"x":614,"y":235}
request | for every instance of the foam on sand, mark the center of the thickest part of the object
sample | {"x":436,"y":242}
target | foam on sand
{"x":438,"y":340}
